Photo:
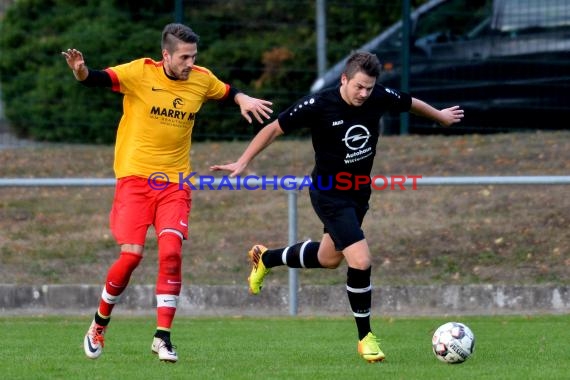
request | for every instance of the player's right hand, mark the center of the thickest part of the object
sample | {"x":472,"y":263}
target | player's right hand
{"x":76,"y":62}
{"x":74,"y":59}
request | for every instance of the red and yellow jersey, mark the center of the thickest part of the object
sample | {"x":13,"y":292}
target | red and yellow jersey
{"x":155,"y":130}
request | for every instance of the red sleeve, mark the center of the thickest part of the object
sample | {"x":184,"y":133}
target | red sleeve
{"x":115,"y":85}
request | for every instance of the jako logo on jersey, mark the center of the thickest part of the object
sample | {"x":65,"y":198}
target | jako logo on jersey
{"x":338,"y":122}
{"x":356,"y":137}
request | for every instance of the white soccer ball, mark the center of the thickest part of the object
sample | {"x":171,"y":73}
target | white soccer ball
{"x":453,"y":342}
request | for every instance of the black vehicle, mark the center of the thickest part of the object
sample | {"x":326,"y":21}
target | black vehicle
{"x":506,"y":62}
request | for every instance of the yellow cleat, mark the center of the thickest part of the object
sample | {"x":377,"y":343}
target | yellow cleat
{"x":258,"y":270}
{"x":369,"y":349}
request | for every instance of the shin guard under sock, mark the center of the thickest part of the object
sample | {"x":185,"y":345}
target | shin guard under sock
{"x":117,"y":280}
{"x":169,"y":280}
{"x":359,"y":291}
{"x":300,"y":255}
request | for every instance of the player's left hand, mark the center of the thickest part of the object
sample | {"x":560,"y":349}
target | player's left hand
{"x":257,"y":107}
{"x":450,"y":116}
{"x":235,"y":168}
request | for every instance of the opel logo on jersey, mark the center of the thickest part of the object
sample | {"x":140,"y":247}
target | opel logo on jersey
{"x":356,"y":137}
{"x":178,"y":103}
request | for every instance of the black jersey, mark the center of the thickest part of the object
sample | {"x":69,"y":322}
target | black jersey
{"x":344,"y":136}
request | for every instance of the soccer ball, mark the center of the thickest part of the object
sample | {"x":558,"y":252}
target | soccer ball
{"x":453,"y":342}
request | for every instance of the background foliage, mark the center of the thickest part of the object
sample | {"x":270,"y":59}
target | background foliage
{"x":266,"y":48}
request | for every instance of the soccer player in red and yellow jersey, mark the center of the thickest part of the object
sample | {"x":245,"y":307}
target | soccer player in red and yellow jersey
{"x":152,"y":155}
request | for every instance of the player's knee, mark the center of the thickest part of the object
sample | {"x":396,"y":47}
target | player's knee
{"x":170,"y":263}
{"x":169,"y":253}
{"x":128,"y":260}
{"x":361,"y":262}
{"x":358,"y":255}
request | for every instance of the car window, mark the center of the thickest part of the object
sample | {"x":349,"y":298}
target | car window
{"x":454,"y":19}
{"x":450,"y":20}
{"x":520,"y":15}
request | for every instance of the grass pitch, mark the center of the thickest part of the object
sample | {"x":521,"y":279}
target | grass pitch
{"x":507,"y":347}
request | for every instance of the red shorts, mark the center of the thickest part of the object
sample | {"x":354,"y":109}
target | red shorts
{"x":137,"y":206}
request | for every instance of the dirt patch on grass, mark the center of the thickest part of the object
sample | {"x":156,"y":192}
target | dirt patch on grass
{"x":447,"y":234}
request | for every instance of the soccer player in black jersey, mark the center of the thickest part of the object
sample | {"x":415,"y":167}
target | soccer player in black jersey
{"x":344,"y":124}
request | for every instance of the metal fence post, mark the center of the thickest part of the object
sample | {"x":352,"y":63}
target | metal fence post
{"x":406,"y":41}
{"x":293,"y":275}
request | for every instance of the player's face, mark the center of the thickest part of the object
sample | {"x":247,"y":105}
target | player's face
{"x":357,"y":89}
{"x":180,"y":62}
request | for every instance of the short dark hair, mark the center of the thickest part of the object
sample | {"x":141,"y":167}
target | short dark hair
{"x":362,"y":61}
{"x":174,"y":33}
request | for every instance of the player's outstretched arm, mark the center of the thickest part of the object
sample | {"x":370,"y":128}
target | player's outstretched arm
{"x":445,"y":117}
{"x":76,"y":63}
{"x":257,"y":107}
{"x":262,"y":140}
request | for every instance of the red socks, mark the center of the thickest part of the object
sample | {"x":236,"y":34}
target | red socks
{"x":168,"y":283}
{"x":118,"y":278}
{"x":169,"y":280}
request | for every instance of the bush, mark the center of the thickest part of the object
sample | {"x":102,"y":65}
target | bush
{"x":266,"y":48}
{"x":43,"y":100}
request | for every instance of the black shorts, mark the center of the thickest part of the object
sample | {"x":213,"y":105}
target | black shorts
{"x":342,"y":213}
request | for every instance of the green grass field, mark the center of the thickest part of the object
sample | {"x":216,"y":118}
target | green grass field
{"x":507,"y":347}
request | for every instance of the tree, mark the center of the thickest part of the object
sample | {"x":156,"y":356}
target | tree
{"x":265,"y":47}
